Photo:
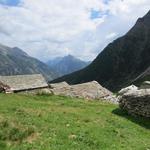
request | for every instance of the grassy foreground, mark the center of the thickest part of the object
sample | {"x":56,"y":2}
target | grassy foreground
{"x":60,"y":123}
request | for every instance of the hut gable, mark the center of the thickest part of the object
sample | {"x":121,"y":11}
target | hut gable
{"x":24,"y":82}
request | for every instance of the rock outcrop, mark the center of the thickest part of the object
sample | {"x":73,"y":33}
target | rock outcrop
{"x":145,"y":85}
{"x":127,"y":89}
{"x":90,"y":90}
{"x":136,"y":102}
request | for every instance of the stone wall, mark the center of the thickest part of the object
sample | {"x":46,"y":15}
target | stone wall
{"x":39,"y":91}
{"x":136,"y":102}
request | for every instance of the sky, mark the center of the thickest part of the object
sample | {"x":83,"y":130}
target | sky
{"x":46,"y":29}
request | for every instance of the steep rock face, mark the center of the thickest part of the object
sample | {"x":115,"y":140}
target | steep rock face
{"x":121,"y":61}
{"x":67,"y":64}
{"x":14,"y":61}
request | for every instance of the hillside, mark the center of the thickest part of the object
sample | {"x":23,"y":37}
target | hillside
{"x":14,"y":61}
{"x":67,"y":64}
{"x":61,"y":123}
{"x":121,"y":62}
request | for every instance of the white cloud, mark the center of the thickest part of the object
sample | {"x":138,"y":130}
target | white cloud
{"x":111,"y":35}
{"x":51,"y":28}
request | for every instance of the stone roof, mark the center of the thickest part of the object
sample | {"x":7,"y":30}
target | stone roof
{"x":24,"y":82}
{"x":90,"y":90}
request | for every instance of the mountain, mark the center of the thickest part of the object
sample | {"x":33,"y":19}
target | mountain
{"x":121,"y":62}
{"x":14,"y":61}
{"x":67,"y":64}
{"x":144,"y":76}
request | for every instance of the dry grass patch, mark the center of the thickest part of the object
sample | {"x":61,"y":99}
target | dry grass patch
{"x":13,"y":132}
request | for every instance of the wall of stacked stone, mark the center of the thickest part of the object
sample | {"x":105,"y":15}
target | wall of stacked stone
{"x":136,"y":103}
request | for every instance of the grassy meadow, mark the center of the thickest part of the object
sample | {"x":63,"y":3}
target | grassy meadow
{"x":61,"y":123}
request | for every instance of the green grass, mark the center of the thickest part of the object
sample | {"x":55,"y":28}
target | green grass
{"x":60,"y":123}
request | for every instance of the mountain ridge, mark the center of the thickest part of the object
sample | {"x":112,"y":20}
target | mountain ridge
{"x":67,"y":64}
{"x":14,"y":61}
{"x":121,"y":61}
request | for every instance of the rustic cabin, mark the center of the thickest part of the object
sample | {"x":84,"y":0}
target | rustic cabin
{"x":20,"y":83}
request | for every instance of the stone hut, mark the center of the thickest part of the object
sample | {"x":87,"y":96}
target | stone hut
{"x":20,"y":83}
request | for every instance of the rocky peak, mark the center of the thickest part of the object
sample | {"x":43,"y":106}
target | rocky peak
{"x":147,"y":15}
{"x":18,"y":51}
{"x":69,"y":57}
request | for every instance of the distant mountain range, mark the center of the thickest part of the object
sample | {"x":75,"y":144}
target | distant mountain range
{"x":67,"y":64}
{"x":125,"y":61}
{"x":14,"y":61}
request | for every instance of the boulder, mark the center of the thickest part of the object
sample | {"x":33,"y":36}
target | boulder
{"x":127,"y":89}
{"x":136,"y":102}
{"x":90,"y":90}
{"x":145,"y":85}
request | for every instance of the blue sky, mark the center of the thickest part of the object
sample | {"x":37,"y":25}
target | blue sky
{"x":106,"y":1}
{"x":10,"y":2}
{"x":95,"y":14}
{"x":51,"y":28}
{"x":98,"y":14}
